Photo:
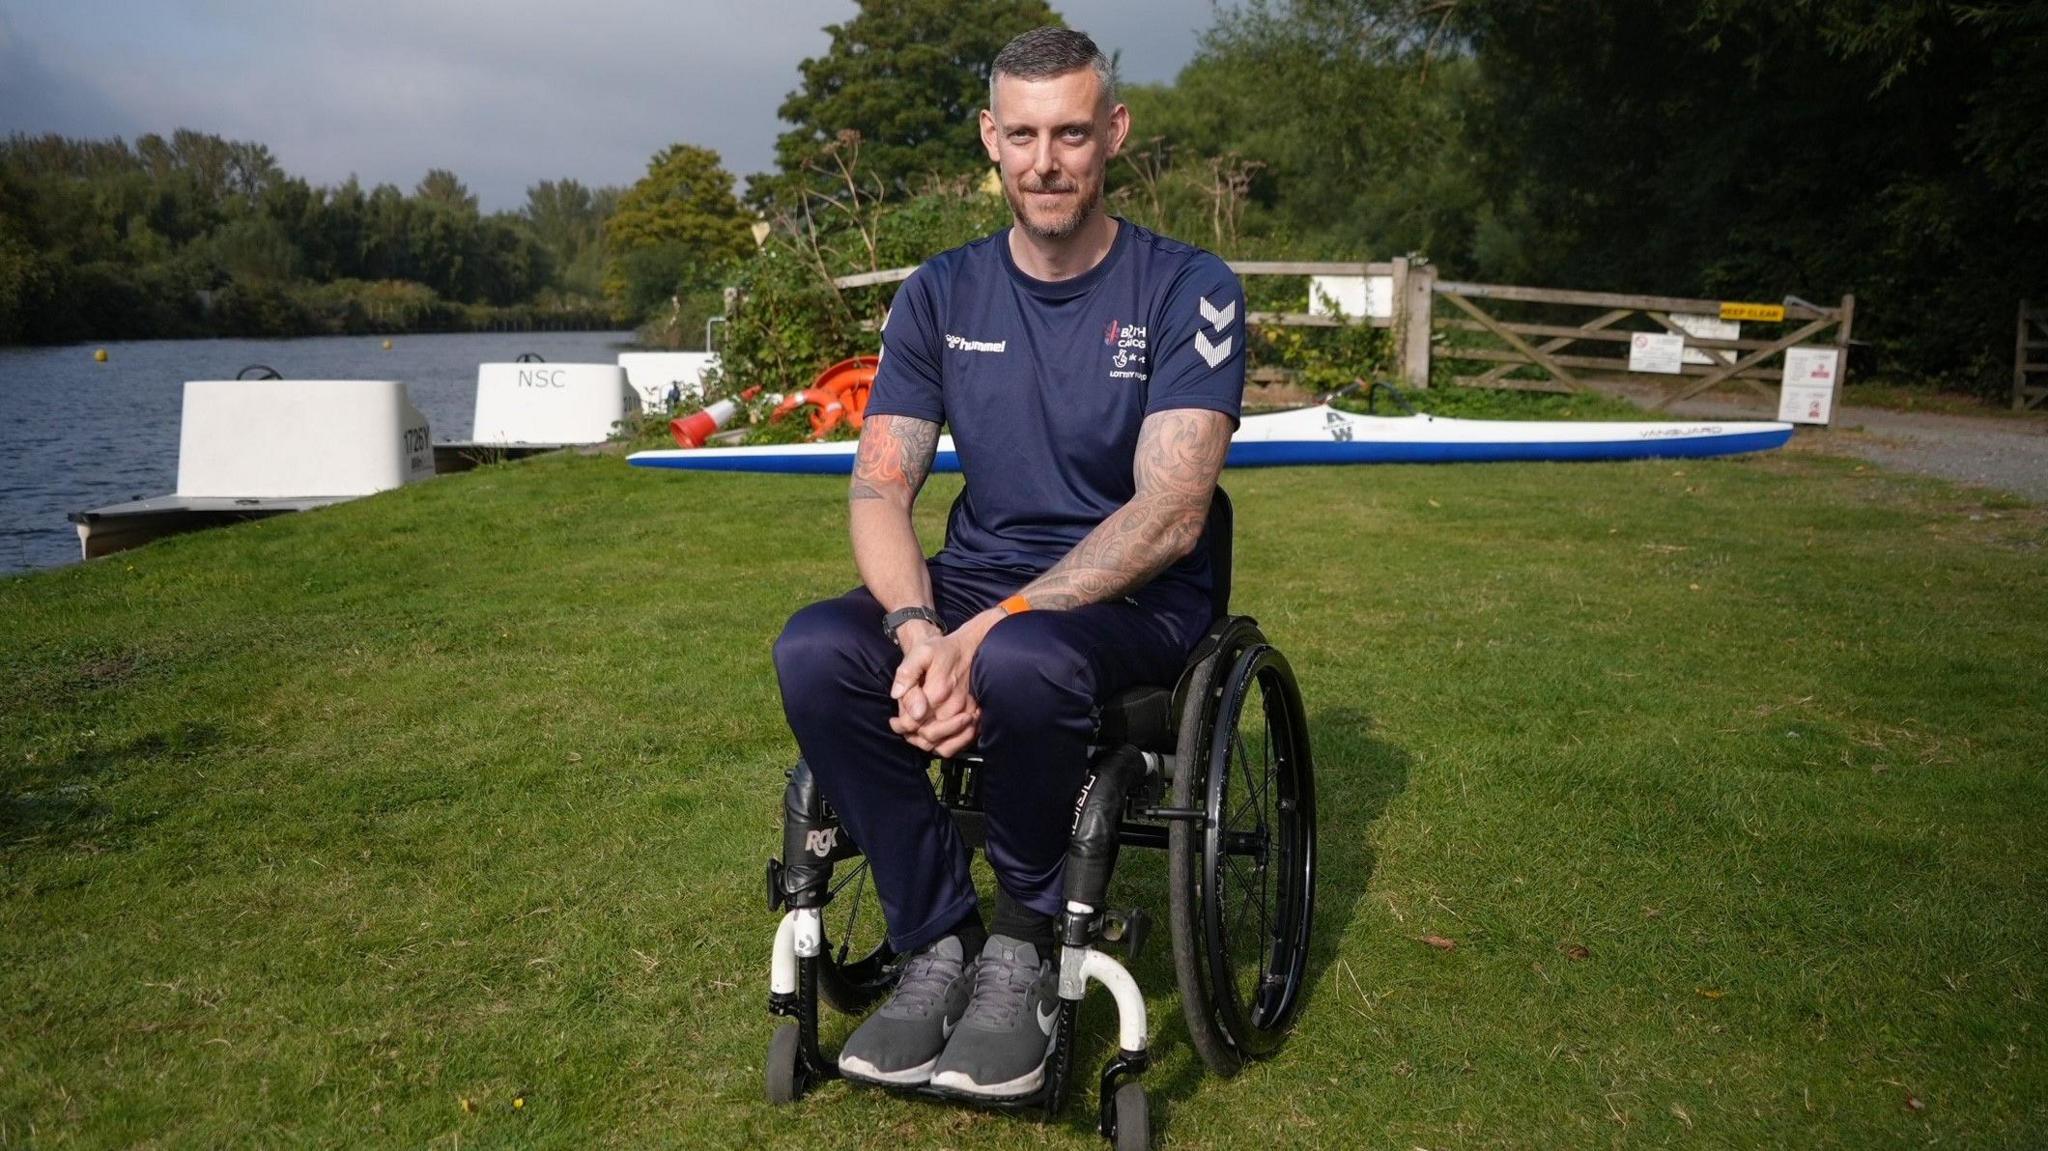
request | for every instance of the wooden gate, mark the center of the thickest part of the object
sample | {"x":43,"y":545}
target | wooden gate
{"x":2030,"y":359}
{"x":1598,"y":349}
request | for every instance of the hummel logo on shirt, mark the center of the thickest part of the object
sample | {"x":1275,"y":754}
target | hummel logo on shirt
{"x":962,"y":344}
{"x":1219,"y":318}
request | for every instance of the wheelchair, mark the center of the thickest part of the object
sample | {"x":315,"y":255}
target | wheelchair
{"x":1215,"y":769}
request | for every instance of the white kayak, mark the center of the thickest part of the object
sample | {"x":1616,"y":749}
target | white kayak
{"x":1325,"y":435}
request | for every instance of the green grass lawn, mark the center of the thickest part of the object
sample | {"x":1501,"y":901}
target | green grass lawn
{"x":1724,"y":777}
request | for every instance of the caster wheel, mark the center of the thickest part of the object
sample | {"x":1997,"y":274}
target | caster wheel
{"x":1133,"y":1118}
{"x":780,"y":1075}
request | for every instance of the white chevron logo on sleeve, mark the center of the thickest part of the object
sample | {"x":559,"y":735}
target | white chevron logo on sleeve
{"x":1219,"y":318}
{"x":1215,"y":353}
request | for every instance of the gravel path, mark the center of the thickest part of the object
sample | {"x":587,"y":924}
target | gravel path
{"x":2009,"y":454}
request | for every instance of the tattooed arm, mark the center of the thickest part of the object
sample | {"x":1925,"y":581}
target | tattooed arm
{"x":1180,"y":454}
{"x":895,"y":455}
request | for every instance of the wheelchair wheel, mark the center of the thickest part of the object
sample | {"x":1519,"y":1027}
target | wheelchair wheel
{"x":856,"y":966}
{"x":779,"y":1074}
{"x":1243,"y":881}
{"x":1133,"y":1118}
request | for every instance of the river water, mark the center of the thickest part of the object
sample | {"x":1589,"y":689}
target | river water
{"x":75,"y":434}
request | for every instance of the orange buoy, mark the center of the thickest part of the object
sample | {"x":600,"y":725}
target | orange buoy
{"x":829,"y":409}
{"x":840,"y":393}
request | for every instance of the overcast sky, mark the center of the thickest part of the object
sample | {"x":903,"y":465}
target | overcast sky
{"x":504,"y":93}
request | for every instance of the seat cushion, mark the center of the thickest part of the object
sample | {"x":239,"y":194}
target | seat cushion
{"x":1142,"y":717}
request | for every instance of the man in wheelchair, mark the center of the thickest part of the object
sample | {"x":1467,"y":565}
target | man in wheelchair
{"x":1090,"y":373}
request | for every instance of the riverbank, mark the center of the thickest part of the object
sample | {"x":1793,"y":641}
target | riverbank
{"x":78,"y":434}
{"x":1722,"y":776}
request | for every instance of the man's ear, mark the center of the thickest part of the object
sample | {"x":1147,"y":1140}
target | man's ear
{"x":1119,"y":128}
{"x":988,"y":136}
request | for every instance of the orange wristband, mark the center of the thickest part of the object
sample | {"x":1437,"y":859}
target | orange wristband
{"x":1014,"y":605}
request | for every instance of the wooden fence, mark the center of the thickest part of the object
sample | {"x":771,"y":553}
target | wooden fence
{"x":1605,"y":349}
{"x":1573,"y":356}
{"x":2030,"y":359}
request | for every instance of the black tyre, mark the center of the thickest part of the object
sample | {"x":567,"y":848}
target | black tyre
{"x":780,"y":1075}
{"x":1244,"y":883}
{"x":1199,"y":696}
{"x":1133,"y":1118}
{"x":857,"y":966}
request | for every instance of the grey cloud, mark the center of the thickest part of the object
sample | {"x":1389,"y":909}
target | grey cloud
{"x":504,"y":94}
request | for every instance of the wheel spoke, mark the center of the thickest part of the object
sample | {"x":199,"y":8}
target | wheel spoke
{"x":1237,"y":757}
{"x":860,"y":869}
{"x":1265,"y":781}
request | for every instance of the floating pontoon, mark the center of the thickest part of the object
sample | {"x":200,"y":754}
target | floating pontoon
{"x":248,"y":449}
{"x":531,"y":406}
{"x":665,"y":379}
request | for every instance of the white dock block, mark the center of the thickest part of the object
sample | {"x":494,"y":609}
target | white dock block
{"x":653,"y":373}
{"x":268,"y":439}
{"x":541,"y":403}
{"x":1358,"y":297}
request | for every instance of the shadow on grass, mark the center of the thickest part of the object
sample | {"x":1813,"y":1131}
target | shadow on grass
{"x":58,"y":805}
{"x":1356,"y":776}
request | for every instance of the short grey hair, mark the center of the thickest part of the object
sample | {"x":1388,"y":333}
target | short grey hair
{"x":1044,"y":53}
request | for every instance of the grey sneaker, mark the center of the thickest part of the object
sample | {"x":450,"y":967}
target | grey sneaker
{"x":898,"y":1044}
{"x":1012,"y":1022}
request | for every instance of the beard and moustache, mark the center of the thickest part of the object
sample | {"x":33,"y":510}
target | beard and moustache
{"x":1061,"y":226}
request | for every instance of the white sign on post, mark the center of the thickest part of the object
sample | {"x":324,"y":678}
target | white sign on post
{"x":1657,"y":352}
{"x":1807,"y":395}
{"x":1709,"y":328}
{"x":1358,"y":297}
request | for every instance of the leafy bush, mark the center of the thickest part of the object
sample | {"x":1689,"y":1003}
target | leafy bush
{"x":789,"y":322}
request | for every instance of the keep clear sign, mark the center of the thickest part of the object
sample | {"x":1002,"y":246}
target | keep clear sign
{"x":1808,"y":393}
{"x":1657,"y":352}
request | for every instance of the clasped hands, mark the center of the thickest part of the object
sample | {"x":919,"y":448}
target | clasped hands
{"x":935,"y":708}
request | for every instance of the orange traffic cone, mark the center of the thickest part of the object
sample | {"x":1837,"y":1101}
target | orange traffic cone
{"x":691,"y":431}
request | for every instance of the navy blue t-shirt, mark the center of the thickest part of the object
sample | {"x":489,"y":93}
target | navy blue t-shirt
{"x":1043,"y":385}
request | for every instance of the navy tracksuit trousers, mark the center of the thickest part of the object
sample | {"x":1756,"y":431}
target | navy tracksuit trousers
{"x":1037,"y":676}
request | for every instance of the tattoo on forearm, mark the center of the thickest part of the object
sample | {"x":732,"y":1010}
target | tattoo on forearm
{"x":1179,"y":456}
{"x":895,"y":452}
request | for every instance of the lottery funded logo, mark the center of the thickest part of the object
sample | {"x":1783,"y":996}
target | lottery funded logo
{"x":1127,"y":362}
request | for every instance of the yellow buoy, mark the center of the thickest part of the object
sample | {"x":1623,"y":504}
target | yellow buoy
{"x":100,"y":356}
{"x":387,"y":345}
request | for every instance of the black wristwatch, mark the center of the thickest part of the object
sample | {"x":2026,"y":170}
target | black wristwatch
{"x":904,"y":615}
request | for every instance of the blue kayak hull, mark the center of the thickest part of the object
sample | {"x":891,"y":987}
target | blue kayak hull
{"x":1270,"y":454}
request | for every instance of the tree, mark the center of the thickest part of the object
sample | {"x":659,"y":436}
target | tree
{"x":1345,"y":108}
{"x":568,"y":220}
{"x":1756,"y":147}
{"x":677,"y":229}
{"x":440,"y":186}
{"x":909,"y":76}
